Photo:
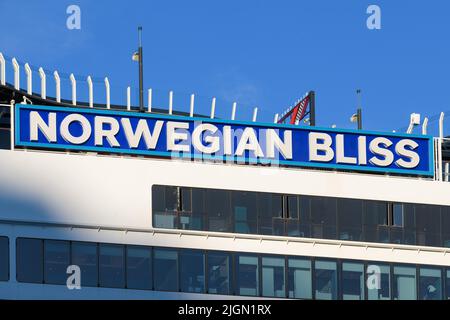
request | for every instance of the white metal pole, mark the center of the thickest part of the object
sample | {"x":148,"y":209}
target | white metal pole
{"x":275,"y":119}
{"x":16,"y":74}
{"x":150,"y":94}
{"x":233,"y":111}
{"x":170,"y":102}
{"x":255,"y":114}
{"x":425,"y":126}
{"x":128,"y":98}
{"x":2,"y":69}
{"x":43,"y":83}
{"x":74,"y":89}
{"x":91,"y":91}
{"x":58,"y":86}
{"x":441,"y":125}
{"x":29,"y":78}
{"x":213,"y":107}
{"x":191,"y":108}
{"x":108,"y":93}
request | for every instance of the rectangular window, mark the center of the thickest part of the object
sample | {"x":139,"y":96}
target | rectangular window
{"x":405,"y":287}
{"x":350,"y":214}
{"x":292,"y":207}
{"x":397,"y":215}
{"x":192,"y":271}
{"x":165,"y":268}
{"x":186,"y":199}
{"x":244,"y":209}
{"x":269,"y":210}
{"x":299,"y":278}
{"x":219,"y":273}
{"x":4,"y":259}
{"x":85,"y":255}
{"x":323,"y":217}
{"x":273,"y":277}
{"x":352,"y":281}
{"x":447,"y":284}
{"x":378,"y":281}
{"x":56,"y":261}
{"x":165,"y":205}
{"x":139,"y":267}
{"x":112,"y":265}
{"x":219,"y":210}
{"x":30,"y":260}
{"x":247,"y":275}
{"x":430,"y":284}
{"x":325,"y":275}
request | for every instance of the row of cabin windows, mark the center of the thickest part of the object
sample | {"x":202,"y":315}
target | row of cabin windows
{"x":300,"y":216}
{"x":225,"y":273}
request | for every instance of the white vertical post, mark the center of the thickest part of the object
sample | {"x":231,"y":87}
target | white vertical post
{"x":170,"y":102}
{"x":29,"y":78}
{"x":91,"y":91}
{"x":191,"y":108}
{"x":12,"y":124}
{"x":74,"y":89}
{"x":233,"y":111}
{"x":128,"y":98}
{"x":43,"y":83}
{"x":58,"y":86}
{"x":441,"y":125}
{"x":150,"y":96}
{"x":16,"y":74}
{"x":447,"y":169}
{"x":108,"y":92}
{"x":425,"y":126}
{"x":213,"y":107}
{"x":255,"y":114}
{"x":275,"y":119}
{"x":2,"y":70}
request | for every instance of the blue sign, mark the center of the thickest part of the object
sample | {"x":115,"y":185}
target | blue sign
{"x":169,"y":136}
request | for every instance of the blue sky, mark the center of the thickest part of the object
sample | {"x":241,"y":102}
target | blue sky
{"x":261,"y":53}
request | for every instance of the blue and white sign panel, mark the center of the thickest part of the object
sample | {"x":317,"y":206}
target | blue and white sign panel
{"x":246,"y":142}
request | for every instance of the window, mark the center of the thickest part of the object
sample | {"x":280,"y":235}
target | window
{"x":273,"y":277}
{"x":112,"y":266}
{"x":139,"y":267}
{"x":292,"y":207}
{"x":405,"y":287}
{"x":430,"y":284}
{"x":325,"y":275}
{"x":165,"y":270}
{"x":244,"y":209}
{"x":323,"y":216}
{"x":30,"y":260}
{"x":299,"y":278}
{"x":85,"y":255}
{"x":4,"y":259}
{"x":447,"y":284}
{"x":378,"y":281}
{"x":428,"y":222}
{"x":192,"y":271}
{"x":397,"y":214}
{"x":56,"y":261}
{"x":219,"y":210}
{"x":219,"y":273}
{"x":247,"y":275}
{"x":269,"y":209}
{"x":165,"y":206}
{"x":352,"y":281}
{"x":350,"y":219}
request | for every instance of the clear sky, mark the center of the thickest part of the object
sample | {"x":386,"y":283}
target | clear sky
{"x":263,"y":53}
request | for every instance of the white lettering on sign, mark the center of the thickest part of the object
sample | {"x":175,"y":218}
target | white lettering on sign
{"x":320,"y":142}
{"x":37,"y":123}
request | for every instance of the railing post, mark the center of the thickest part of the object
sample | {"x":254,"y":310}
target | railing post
{"x":74,"y":89}
{"x":91,"y":91}
{"x":16,"y":74}
{"x":128,"y":98}
{"x":255,"y":114}
{"x":29,"y":79}
{"x":425,"y":126}
{"x":275,"y":118}
{"x":213,"y":108}
{"x":233,"y":111}
{"x":150,"y":97}
{"x":43,"y":83}
{"x":170,"y":102}
{"x":108,"y":101}
{"x":191,"y":108}
{"x":58,"y":86}
{"x":2,"y":70}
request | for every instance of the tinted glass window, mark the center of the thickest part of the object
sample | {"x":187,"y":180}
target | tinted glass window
{"x":244,"y":209}
{"x":139,"y":267}
{"x":378,"y":282}
{"x":375,"y":213}
{"x":447,"y":284}
{"x":292,"y":207}
{"x":30,"y":260}
{"x":323,"y":216}
{"x":4,"y":259}
{"x":165,"y":270}
{"x":405,"y":287}
{"x":350,"y":219}
{"x":397,"y":215}
{"x":219,"y":210}
{"x":273,"y":277}
{"x":430,"y":284}
{"x":247,"y":278}
{"x":5,"y":139}
{"x":325,"y":274}
{"x":428,"y":223}
{"x":192,"y":271}
{"x":219,"y":273}
{"x":269,"y":209}
{"x":299,"y":278}
{"x":352,"y":281}
{"x":112,"y":266}
{"x":186,"y":199}
{"x":85,"y":256}
{"x":56,"y":260}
